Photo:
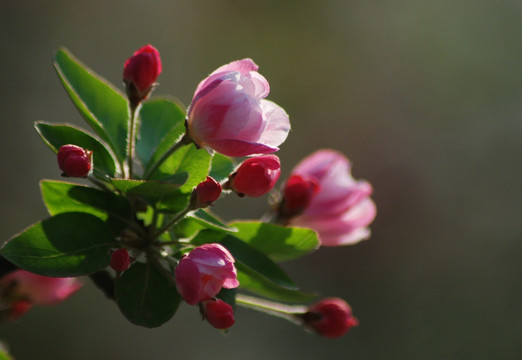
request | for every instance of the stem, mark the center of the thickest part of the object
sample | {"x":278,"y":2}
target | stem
{"x":132,"y":135}
{"x":173,"y":221}
{"x":288,"y":312}
{"x":98,"y":183}
{"x":184,"y":140}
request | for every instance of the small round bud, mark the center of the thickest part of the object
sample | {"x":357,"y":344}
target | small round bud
{"x":205,"y":193}
{"x":297,"y":194}
{"x":256,"y":176}
{"x":74,"y":161}
{"x":120,"y":260}
{"x":218,"y":313}
{"x":331,"y":317}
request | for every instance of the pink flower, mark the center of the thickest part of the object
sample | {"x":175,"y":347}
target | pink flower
{"x":120,"y":260}
{"x":36,"y":289}
{"x":230,"y":115}
{"x":206,"y":193}
{"x":140,"y":71}
{"x":256,"y":176}
{"x":219,"y":314}
{"x":341,"y":209}
{"x":331,"y":317}
{"x":74,"y":161}
{"x":202,"y":273}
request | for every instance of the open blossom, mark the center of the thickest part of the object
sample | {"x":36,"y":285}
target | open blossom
{"x":23,"y":287}
{"x":331,"y":317}
{"x":229,"y":112}
{"x":339,"y":209}
{"x":140,"y":71}
{"x":255,"y":176}
{"x":202,"y":273}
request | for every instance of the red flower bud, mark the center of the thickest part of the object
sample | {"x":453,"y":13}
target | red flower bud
{"x":140,"y":71}
{"x":120,"y":260}
{"x":74,"y":161}
{"x":205,"y":193}
{"x":297,"y":194}
{"x":219,"y":314}
{"x":255,"y":176}
{"x":331,"y":317}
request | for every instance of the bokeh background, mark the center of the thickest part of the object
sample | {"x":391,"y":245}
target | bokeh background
{"x":423,"y":96}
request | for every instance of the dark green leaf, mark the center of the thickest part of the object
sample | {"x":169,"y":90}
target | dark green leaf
{"x":145,"y":296}
{"x":257,"y":262}
{"x":151,"y":188}
{"x":278,"y":242}
{"x":103,"y":107}
{"x":56,"y":135}
{"x":68,"y":244}
{"x":251,"y":281}
{"x":60,"y":197}
{"x":221,"y":167}
{"x":162,"y":121}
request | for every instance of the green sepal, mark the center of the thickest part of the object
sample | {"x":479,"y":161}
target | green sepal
{"x":146,"y":296}
{"x":57,"y":135}
{"x":68,"y":244}
{"x":103,"y":107}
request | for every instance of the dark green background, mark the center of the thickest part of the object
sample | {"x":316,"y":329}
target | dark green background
{"x":423,"y":96}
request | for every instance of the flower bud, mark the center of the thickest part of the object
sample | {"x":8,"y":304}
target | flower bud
{"x":331,"y":317}
{"x":297,"y":194}
{"x":120,"y":260}
{"x":140,"y":71}
{"x":18,"y":308}
{"x":218,"y":313}
{"x":202,"y":273}
{"x":205,"y":193}
{"x":256,"y":176}
{"x":74,"y":161}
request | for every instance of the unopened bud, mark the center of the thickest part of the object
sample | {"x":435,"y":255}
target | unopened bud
{"x":297,"y":194}
{"x":205,"y":193}
{"x":120,"y":260}
{"x":256,"y":176}
{"x":331,"y":317}
{"x":74,"y":161}
{"x":218,"y":313}
{"x":140,"y":71}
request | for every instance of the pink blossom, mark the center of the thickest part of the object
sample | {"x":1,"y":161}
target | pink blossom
{"x":229,"y":112}
{"x":256,"y":176}
{"x":331,"y":317}
{"x":341,"y":209}
{"x":219,"y":314}
{"x":74,"y":161}
{"x":37,"y":289}
{"x":202,"y":273}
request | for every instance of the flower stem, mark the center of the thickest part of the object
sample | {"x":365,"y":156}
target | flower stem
{"x":184,"y":140}
{"x":132,"y":136}
{"x":173,"y":221}
{"x":288,"y":312}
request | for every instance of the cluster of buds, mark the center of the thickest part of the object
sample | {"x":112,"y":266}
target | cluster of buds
{"x":228,"y":115}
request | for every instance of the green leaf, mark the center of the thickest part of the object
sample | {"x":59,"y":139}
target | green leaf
{"x":278,"y":242}
{"x":68,"y":244}
{"x":186,"y":159}
{"x":103,"y":107}
{"x":4,"y":355}
{"x":162,"y":121}
{"x":145,"y":296}
{"x":60,"y":197}
{"x":221,"y":167}
{"x":199,"y":220}
{"x":251,"y":281}
{"x":56,"y":135}
{"x":151,"y":188}
{"x":257,"y":263}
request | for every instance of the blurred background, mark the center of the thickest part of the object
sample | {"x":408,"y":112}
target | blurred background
{"x":423,"y":96}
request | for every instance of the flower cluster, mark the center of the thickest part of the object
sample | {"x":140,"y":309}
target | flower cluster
{"x":145,"y":233}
